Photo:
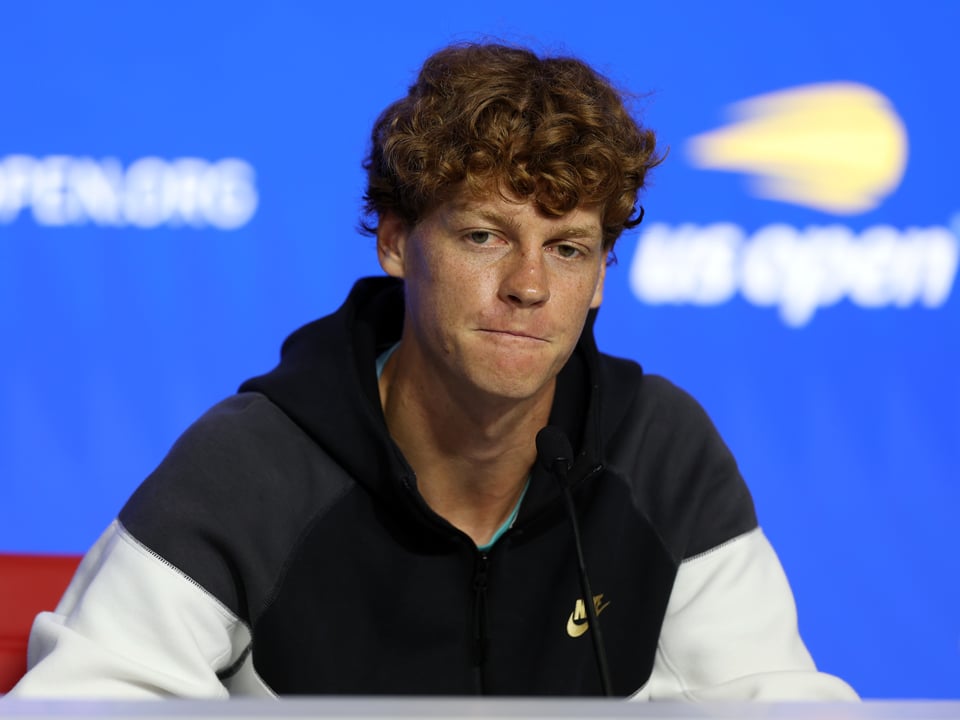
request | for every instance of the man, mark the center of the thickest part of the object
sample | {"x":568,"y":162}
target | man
{"x":371,"y":517}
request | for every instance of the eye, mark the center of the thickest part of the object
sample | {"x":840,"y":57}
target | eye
{"x":566,"y":250}
{"x":479,"y":237}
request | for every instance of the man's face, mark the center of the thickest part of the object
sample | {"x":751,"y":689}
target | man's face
{"x":497,"y":293}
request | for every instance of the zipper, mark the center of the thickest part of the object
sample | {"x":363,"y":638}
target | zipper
{"x":480,"y":639}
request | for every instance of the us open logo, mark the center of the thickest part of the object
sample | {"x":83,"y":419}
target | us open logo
{"x":838,"y":148}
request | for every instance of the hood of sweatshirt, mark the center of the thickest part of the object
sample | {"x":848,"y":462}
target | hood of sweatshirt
{"x":326,"y":382}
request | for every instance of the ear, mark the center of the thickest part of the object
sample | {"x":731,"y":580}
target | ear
{"x":392,"y":234}
{"x":598,"y":292}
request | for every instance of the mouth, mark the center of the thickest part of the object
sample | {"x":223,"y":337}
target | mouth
{"x":517,"y":334}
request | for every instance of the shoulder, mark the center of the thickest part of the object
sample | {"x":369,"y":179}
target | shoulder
{"x":244,"y":423}
{"x":233,"y":496}
{"x":239,"y":449}
{"x":635,"y":402}
{"x":680,"y":471}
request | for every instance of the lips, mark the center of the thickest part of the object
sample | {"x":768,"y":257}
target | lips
{"x":509,"y":333}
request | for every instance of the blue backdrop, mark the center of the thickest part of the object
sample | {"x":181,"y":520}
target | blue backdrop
{"x":179,"y":188}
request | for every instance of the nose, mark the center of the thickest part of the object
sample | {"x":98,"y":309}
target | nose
{"x":525,"y":282}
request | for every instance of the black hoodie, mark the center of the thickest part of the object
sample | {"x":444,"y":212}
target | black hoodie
{"x":291,"y":505}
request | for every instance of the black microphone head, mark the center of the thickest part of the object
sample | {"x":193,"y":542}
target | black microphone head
{"x":553,"y":448}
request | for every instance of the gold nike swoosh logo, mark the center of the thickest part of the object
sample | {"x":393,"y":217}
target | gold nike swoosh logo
{"x":575,"y":629}
{"x":577,"y":623}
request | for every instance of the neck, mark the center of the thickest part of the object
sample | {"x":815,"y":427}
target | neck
{"x":471,"y":453}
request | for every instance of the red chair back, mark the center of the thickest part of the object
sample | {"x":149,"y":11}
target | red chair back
{"x":29,"y":584}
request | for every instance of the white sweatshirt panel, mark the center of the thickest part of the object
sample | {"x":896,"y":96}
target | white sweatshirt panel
{"x":730,"y":632}
{"x":129,"y":626}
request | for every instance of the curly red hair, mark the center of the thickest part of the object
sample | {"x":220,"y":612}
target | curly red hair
{"x":494,"y":117}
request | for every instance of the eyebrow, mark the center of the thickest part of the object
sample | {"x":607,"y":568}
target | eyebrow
{"x":592,"y":230}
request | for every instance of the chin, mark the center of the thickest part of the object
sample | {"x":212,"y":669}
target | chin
{"x":513,"y":385}
{"x":511,"y":378}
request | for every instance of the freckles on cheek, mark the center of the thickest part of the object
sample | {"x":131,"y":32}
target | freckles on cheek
{"x":455,"y":279}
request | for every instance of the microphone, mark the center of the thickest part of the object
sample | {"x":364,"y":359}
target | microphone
{"x":555,"y":451}
{"x":556,"y":454}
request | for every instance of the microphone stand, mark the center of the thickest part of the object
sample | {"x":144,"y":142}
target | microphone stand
{"x":554,"y":448}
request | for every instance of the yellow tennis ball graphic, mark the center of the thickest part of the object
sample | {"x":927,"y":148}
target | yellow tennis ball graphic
{"x":836,"y":147}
